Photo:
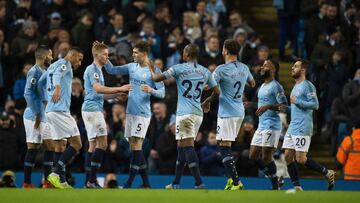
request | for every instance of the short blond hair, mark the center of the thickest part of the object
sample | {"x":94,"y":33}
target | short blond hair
{"x":98,"y":46}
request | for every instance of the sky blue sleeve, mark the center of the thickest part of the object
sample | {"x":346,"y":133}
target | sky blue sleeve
{"x":217,"y":75}
{"x":211,"y":81}
{"x":159,"y":92}
{"x":30,"y":92}
{"x":93,"y":76}
{"x":60,"y":71}
{"x":41,"y":87}
{"x":117,"y":70}
{"x":171,"y":72}
{"x":311,"y":101}
{"x":280,"y":94}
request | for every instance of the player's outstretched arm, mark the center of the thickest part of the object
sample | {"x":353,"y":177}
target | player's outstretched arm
{"x":117,"y":70}
{"x":111,"y":90}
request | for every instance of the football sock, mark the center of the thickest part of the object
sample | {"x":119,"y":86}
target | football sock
{"x":315,"y":166}
{"x":88,"y":156}
{"x":134,"y":167}
{"x":96,"y":159}
{"x":29,"y":164}
{"x":229,"y":163}
{"x":143,"y":171}
{"x":193,"y":163}
{"x":66,"y":156}
{"x":293,"y":172}
{"x":180,"y":164}
{"x":48,"y":162}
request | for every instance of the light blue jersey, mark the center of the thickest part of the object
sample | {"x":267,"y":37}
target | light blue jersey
{"x":302,"y":111}
{"x":138,"y":100}
{"x":59,"y":73}
{"x":191,"y":79}
{"x":33,"y":99}
{"x":232,"y":78}
{"x":270,"y":94}
{"x":93,"y":101}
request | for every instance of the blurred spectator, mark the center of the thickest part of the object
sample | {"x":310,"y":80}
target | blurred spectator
{"x":8,"y":179}
{"x":191,"y":26}
{"x":347,"y":23}
{"x":117,"y":118}
{"x":323,"y":53}
{"x":210,"y":157}
{"x":163,"y":22}
{"x":82,"y":35}
{"x":236,"y":22}
{"x":19,"y":86}
{"x":212,"y":54}
{"x":337,"y":75}
{"x":217,"y":12}
{"x":167,"y":149}
{"x":115,"y":31}
{"x":148,"y":34}
{"x":9,"y":144}
{"x":6,"y":73}
{"x":135,"y":11}
{"x":351,"y":95}
{"x":157,"y":126}
{"x":246,"y":52}
{"x":77,"y":97}
{"x":338,"y":126}
{"x":348,"y":153}
{"x":288,"y":17}
{"x":23,"y":46}
{"x":176,"y":42}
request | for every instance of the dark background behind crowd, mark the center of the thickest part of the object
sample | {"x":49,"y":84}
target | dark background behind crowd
{"x":325,"y":32}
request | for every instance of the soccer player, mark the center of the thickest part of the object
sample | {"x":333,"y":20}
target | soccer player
{"x":63,"y":126}
{"x":266,"y":138}
{"x":191,"y":79}
{"x":138,"y":111}
{"x":92,"y":109}
{"x":37,"y":130}
{"x":232,"y":78}
{"x":298,"y":136}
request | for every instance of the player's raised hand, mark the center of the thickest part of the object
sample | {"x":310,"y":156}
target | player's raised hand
{"x":125,"y":88}
{"x":146,"y":88}
{"x":205,"y":106}
{"x":57,"y":94}
{"x":151,"y":65}
{"x":261,"y":110}
{"x":37,"y":122}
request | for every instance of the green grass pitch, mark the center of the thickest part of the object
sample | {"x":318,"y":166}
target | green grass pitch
{"x":172,"y":196}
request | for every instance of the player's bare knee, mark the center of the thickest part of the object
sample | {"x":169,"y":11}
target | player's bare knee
{"x":289,"y":158}
{"x":301,"y":159}
{"x":48,"y":145}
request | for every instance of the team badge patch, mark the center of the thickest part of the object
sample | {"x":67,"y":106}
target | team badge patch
{"x":63,"y":67}
{"x":33,"y":81}
{"x":96,"y":76}
{"x":144,"y":75}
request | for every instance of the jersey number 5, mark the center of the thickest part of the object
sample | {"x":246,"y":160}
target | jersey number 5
{"x":189,"y":85}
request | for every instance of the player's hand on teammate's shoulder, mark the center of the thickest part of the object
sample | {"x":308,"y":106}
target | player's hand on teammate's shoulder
{"x":146,"y":88}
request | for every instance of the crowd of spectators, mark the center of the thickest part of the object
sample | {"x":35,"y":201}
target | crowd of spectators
{"x":326,"y":32}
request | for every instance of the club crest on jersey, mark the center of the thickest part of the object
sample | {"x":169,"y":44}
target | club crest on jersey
{"x":96,"y":76}
{"x":33,"y":81}
{"x":144,"y":75}
{"x":63,"y":67}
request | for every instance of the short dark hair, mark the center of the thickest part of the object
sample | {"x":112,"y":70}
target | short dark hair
{"x":41,"y":51}
{"x":304,"y":63}
{"x":192,"y":50}
{"x":142,"y":46}
{"x":232,"y":46}
{"x":76,"y":50}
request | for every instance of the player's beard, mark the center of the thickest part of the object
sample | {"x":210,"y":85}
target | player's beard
{"x":265,"y":74}
{"x":295,"y":75}
{"x":47,"y":63}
